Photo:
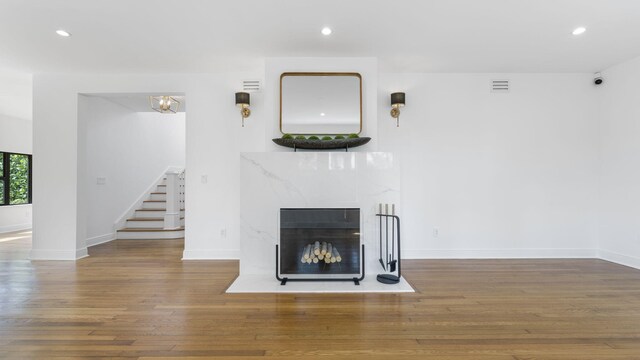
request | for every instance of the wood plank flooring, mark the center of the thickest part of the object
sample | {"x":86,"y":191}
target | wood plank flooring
{"x":137,"y":299}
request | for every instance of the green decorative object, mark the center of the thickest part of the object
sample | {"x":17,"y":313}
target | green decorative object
{"x":287,"y":136}
{"x":327,"y":138}
{"x":339,"y":137}
{"x":314,"y":143}
{"x":353,"y":136}
{"x":300,"y":137}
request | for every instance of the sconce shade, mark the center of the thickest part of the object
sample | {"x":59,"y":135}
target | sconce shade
{"x":397,"y":99}
{"x":243,"y":98}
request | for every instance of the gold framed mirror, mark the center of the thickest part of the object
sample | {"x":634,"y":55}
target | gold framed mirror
{"x":320,"y":103}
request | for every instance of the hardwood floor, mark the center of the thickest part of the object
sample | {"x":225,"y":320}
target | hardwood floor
{"x":137,"y":299}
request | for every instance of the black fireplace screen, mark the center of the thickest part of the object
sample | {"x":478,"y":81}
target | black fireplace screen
{"x":320,"y":241}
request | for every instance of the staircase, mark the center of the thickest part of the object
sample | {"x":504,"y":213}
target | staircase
{"x":161,"y":214}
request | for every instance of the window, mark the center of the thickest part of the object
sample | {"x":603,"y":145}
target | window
{"x":15,"y":179}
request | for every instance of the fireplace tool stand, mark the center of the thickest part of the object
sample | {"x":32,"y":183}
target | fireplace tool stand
{"x":388,"y":259}
{"x":284,"y":280}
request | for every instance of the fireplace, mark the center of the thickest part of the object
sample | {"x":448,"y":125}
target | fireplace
{"x":320,"y":244}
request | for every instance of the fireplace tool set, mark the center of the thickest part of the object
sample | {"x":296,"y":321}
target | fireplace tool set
{"x":389,"y":244}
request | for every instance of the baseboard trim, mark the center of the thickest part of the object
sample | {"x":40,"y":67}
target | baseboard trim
{"x":453,"y":254}
{"x":101,"y":239}
{"x":48,"y":254}
{"x":82,"y":253}
{"x":211,"y":254}
{"x":12,"y":228}
{"x":499,"y":253}
{"x":614,"y":257}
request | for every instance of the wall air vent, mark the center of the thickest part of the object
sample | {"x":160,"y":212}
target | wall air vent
{"x":251,"y":85}
{"x":499,"y":86}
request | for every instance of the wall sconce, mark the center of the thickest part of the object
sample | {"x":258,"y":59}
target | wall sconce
{"x":243,"y":101}
{"x":397,"y":101}
{"x":164,"y":104}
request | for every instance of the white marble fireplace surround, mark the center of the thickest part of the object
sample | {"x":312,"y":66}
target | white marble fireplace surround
{"x":274,"y":180}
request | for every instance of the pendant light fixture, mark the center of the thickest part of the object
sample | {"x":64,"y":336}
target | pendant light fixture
{"x":164,"y":104}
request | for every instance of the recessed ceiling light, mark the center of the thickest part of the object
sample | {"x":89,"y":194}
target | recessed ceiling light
{"x":579,"y":30}
{"x":63,"y":33}
{"x":321,"y":114}
{"x":326,"y":31}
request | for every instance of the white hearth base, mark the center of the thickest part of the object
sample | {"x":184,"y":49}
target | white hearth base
{"x":269,"y":284}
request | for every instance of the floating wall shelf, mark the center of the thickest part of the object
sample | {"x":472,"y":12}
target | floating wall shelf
{"x":322,"y":144}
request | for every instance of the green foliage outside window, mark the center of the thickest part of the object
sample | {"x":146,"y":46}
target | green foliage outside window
{"x":18,"y":179}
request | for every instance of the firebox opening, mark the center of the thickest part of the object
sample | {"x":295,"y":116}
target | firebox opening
{"x":320,"y":241}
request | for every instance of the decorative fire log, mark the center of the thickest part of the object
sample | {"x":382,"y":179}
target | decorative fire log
{"x":316,"y":252}
{"x":307,"y":251}
{"x":336,"y":255}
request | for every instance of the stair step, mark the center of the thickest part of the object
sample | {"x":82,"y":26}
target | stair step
{"x":159,"y":193}
{"x":154,"y":204}
{"x":149,"y":229}
{"x":149,"y":234}
{"x":155,"y":210}
{"x":158,"y":196}
{"x":149,"y":219}
{"x":147,"y":223}
{"x":152,"y":213}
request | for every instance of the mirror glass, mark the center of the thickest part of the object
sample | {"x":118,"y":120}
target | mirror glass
{"x":320,"y":103}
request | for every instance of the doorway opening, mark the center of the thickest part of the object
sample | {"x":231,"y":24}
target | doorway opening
{"x":134,"y":173}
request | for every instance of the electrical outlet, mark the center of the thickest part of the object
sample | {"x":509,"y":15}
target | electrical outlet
{"x":436,"y":232}
{"x":223,"y":233}
{"x":101,"y":181}
{"x":204,"y":179}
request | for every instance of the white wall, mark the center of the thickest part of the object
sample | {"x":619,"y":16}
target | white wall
{"x":511,"y":175}
{"x":499,"y":175}
{"x":131,"y":150}
{"x":215,"y":139}
{"x":620,"y":164}
{"x":15,"y":136}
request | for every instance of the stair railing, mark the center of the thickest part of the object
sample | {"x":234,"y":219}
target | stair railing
{"x":181,"y":182}
{"x":175,"y":198}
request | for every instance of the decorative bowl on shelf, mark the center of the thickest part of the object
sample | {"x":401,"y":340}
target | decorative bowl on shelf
{"x":316,"y":144}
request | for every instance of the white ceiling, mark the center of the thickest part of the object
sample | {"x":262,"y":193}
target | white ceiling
{"x":406,"y":35}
